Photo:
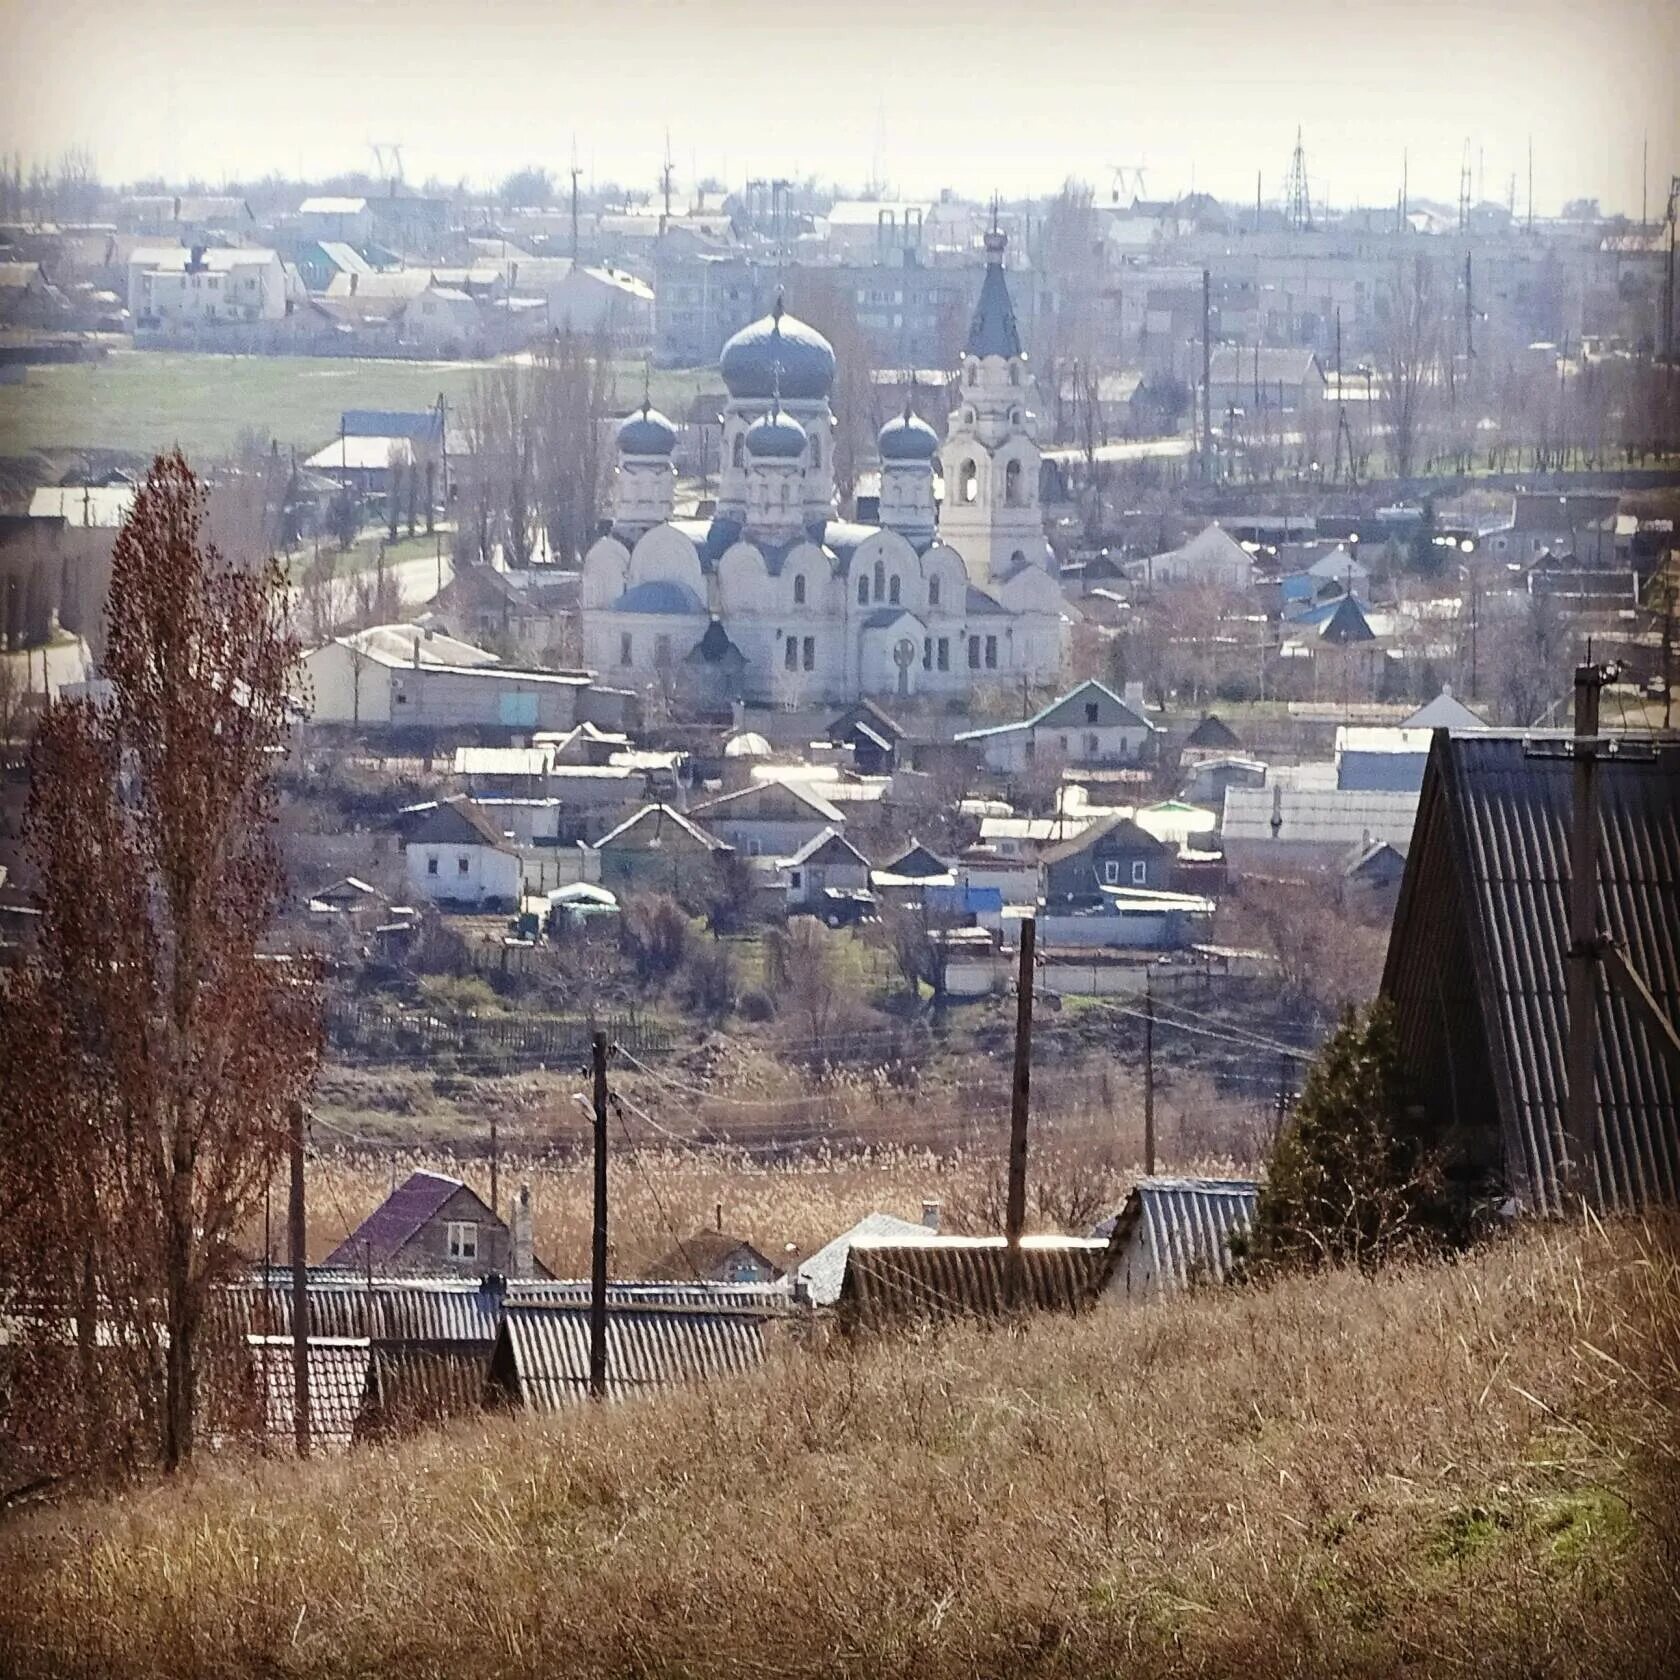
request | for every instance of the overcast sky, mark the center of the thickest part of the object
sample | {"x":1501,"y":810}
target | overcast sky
{"x":975,"y":96}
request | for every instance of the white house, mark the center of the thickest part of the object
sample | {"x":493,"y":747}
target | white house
{"x":771,"y":819}
{"x":1089,"y":726}
{"x":177,"y":284}
{"x":775,"y":599}
{"x":1212,"y":558}
{"x":455,"y":855}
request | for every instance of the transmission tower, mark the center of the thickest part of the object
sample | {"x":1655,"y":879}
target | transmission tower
{"x":1297,"y":200}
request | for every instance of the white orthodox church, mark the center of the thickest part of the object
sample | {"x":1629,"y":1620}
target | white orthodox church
{"x":774,"y":599}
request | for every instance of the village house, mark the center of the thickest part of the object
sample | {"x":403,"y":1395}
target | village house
{"x":1112,"y":853}
{"x":204,"y":285}
{"x":658,"y":849}
{"x":1090,"y":726}
{"x":456,"y":856}
{"x":1175,"y":1233}
{"x":769,"y":818}
{"x":828,"y":876}
{"x":434,"y":1226}
{"x":1254,"y":380}
{"x":1211,"y":559}
{"x":715,"y":1257}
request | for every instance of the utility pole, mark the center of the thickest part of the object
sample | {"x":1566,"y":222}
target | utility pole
{"x":1469,"y":310}
{"x":1585,"y":945}
{"x":1531,"y":183}
{"x":1282,"y":1095}
{"x":1207,"y":363}
{"x":1148,"y":1078}
{"x":495,"y":1168}
{"x":300,"y":1287}
{"x":575,"y":173}
{"x":598,"y":1251}
{"x":1015,"y":1215}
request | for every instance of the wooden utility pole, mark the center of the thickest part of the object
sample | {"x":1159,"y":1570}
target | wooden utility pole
{"x":598,"y":1252}
{"x":1207,"y":374}
{"x":1015,"y":1215}
{"x":495,"y":1168}
{"x":1148,"y":1078}
{"x":1585,"y":945}
{"x":300,"y":1287}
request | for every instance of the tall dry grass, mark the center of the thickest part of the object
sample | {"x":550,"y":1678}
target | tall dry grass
{"x":1462,"y":1468}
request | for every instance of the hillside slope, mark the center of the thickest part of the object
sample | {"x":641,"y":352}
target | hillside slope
{"x":1463,"y":1468}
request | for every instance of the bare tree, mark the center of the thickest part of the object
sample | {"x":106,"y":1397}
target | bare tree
{"x":1409,"y":362}
{"x":572,"y":392}
{"x":153,"y":1054}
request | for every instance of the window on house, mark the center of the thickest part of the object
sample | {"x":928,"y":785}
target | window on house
{"x":816,"y":454}
{"x":755,"y":848}
{"x":1014,"y":373}
{"x":991,"y":653}
{"x":933,"y":592}
{"x":863,"y":592}
{"x":1090,"y":711}
{"x":799,"y":591}
{"x":662,"y":651}
{"x":1012,"y":483}
{"x":1111,"y":872}
{"x":809,"y":659}
{"x":974,"y":653}
{"x":790,"y":653}
{"x":463,"y":864}
{"x":1093,"y":746}
{"x":431,"y":864}
{"x":944,"y":653}
{"x":1064,"y":743}
{"x":1017,"y":558}
{"x":1140,"y":873}
{"x":624,"y":648}
{"x":463,"y":1239}
{"x":880,"y":580}
{"x":892,"y":589}
{"x":969,"y":482}
{"x":927,"y":653}
{"x":795,"y":879}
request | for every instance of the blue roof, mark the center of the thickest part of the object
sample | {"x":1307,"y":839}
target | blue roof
{"x":390,"y":422}
{"x":776,"y":437}
{"x":842,"y":537}
{"x":659,"y":595}
{"x":647,"y":432}
{"x":993,"y":332}
{"x":908,"y":437}
{"x":979,"y":604}
{"x":778,"y":355}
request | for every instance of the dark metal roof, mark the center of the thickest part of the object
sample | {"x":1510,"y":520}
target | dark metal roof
{"x":993,"y":332}
{"x":893,"y":1282}
{"x":541,"y":1359}
{"x":1173,"y":1232}
{"x":1476,"y":961}
{"x":338,"y":1372}
{"x":411,"y":1387}
{"x":1212,"y":731}
{"x":380,"y":1236}
{"x":429,"y":1310}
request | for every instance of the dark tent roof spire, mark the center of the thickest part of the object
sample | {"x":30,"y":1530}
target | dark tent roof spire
{"x":993,"y":332}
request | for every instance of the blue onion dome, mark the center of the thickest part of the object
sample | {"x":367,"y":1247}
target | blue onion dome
{"x":778,"y":351}
{"x":908,"y":437}
{"x":776,"y":437}
{"x":647,"y":432}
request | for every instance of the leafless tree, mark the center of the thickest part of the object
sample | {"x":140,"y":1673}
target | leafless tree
{"x":1409,"y":362}
{"x":571,"y":393}
{"x":856,"y":401}
{"x":151,"y":1055}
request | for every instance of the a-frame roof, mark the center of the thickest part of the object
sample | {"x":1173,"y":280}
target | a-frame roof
{"x":456,"y":822}
{"x":659,"y":825}
{"x":831,"y":846}
{"x":381,"y":1236}
{"x":1477,"y":959}
{"x":769,"y":801}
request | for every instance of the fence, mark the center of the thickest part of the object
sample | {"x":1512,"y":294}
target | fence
{"x":375,"y":1034}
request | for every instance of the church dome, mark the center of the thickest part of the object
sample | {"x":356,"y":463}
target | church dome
{"x":647,"y":432}
{"x":778,"y":356}
{"x":908,"y":437}
{"x":776,"y":437}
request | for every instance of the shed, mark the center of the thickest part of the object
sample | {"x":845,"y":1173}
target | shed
{"x":892,"y":1283}
{"x":1175,"y":1232}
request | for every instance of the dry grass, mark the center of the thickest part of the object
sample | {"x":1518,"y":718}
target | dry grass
{"x":1466,"y":1468}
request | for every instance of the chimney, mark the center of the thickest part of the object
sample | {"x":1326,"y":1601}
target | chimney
{"x":930,"y":1215}
{"x":195,"y":258}
{"x":1133,"y":696}
{"x":521,"y":1261}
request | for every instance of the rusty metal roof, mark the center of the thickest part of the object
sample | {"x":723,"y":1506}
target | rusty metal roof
{"x":894,"y":1281}
{"x":338,"y":1372}
{"x":1173,"y":1232}
{"x":541,"y":1358}
{"x":1476,"y":962}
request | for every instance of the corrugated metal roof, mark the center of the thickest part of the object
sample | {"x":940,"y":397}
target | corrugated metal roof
{"x":1477,"y":960}
{"x":431,"y":1310}
{"x":411,"y":1387}
{"x":541,"y":1358}
{"x":892,"y":1282}
{"x":1173,"y":1232}
{"x":338,"y":1371}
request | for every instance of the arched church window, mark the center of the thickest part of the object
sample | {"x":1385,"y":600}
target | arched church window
{"x":969,"y":481}
{"x":1017,"y":558}
{"x":1014,"y":417}
{"x":933,"y":592}
{"x":785,"y":488}
{"x":973,"y":372}
{"x":863,"y":591}
{"x":892,"y":590}
{"x":799,"y":591}
{"x":880,"y":580}
{"x":1014,"y":373}
{"x":739,"y":454}
{"x":1012,"y":483}
{"x":816,"y":454}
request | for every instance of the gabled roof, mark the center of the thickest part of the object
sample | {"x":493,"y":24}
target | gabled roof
{"x":654,"y":826}
{"x":1120,"y":829}
{"x":1236,"y":364}
{"x":704,"y":1253}
{"x":1346,"y":624}
{"x":379,"y":1237}
{"x":916,"y":862}
{"x":830,"y":846}
{"x":1212,"y":731}
{"x":1477,"y":958}
{"x":822,"y":1275}
{"x":743,"y":804}
{"x":1047,"y":715}
{"x":455,"y":822}
{"x":1445,"y":711}
{"x":866,"y":711}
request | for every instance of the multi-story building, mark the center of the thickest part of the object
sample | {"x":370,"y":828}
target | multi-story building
{"x":189,"y":285}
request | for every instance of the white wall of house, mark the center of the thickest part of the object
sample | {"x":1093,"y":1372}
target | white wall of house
{"x":240,"y":284}
{"x":346,"y":685}
{"x":461,"y":874}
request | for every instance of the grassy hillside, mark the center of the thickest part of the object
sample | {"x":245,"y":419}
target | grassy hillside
{"x":145,"y":401}
{"x":1466,"y":1468}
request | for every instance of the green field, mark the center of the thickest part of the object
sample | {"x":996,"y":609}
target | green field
{"x":143,"y":401}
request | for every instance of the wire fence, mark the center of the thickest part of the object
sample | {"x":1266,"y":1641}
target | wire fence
{"x":371,"y":1033}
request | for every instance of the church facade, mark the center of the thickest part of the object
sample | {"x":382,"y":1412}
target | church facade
{"x":774,"y":599}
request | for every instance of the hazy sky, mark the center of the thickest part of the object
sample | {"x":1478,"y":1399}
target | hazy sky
{"x":977,"y":95}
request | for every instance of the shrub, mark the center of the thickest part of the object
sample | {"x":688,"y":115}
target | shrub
{"x":654,"y":933}
{"x":711,"y":980}
{"x":755,"y":1005}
